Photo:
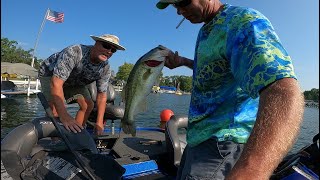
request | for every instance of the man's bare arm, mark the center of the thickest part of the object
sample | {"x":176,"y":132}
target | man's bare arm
{"x":101,"y":106}
{"x":275,"y":131}
{"x":58,"y":101}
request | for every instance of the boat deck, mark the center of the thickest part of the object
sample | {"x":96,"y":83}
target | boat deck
{"x":127,"y":150}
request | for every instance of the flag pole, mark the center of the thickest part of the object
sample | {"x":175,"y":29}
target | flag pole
{"x":35,"y":46}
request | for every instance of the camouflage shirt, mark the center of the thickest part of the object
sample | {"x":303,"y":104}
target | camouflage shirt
{"x":73,"y":66}
{"x":237,"y":54}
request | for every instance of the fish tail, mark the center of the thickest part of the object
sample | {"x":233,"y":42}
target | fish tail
{"x":129,"y":128}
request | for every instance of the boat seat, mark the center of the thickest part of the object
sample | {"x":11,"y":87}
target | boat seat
{"x":23,"y":139}
{"x":112,"y":112}
{"x":175,"y":140}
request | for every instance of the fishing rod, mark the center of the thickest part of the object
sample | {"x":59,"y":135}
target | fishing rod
{"x":49,"y":112}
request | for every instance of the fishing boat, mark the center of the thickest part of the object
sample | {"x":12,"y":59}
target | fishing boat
{"x":7,"y":87}
{"x":28,"y":152}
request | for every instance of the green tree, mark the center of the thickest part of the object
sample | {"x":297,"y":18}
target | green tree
{"x":10,"y":52}
{"x":313,"y":94}
{"x":166,"y":81}
{"x":8,"y":49}
{"x":185,"y":83}
{"x":124,"y":71}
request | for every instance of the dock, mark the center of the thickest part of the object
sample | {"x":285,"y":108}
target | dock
{"x":22,"y":88}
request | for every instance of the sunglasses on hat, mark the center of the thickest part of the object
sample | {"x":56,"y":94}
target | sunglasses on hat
{"x":109,"y":47}
{"x":182,"y":3}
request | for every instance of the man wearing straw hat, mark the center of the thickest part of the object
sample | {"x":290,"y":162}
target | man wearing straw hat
{"x":246,"y":105}
{"x":65,"y":74}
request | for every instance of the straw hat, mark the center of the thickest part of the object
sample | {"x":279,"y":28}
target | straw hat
{"x":112,"y":39}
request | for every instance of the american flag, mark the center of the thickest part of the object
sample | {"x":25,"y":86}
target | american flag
{"x":54,"y":16}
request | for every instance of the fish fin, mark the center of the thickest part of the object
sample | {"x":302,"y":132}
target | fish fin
{"x":146,"y":74}
{"x":141,"y":107}
{"x":129,"y":128}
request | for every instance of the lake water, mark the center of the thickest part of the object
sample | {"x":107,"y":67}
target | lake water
{"x":20,"y":109}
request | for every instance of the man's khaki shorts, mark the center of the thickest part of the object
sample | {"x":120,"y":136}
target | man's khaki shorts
{"x":71,"y":94}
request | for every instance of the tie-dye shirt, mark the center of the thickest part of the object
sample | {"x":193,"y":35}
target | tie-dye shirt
{"x":237,"y":54}
{"x":73,"y":65}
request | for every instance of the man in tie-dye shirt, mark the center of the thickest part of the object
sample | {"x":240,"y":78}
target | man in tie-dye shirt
{"x":246,"y":105}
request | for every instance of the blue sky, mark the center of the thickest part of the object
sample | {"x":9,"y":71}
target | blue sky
{"x":141,"y":27}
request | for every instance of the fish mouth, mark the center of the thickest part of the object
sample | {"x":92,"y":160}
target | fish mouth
{"x":153,"y":63}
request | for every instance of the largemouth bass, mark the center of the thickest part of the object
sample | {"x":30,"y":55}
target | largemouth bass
{"x":142,"y":77}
